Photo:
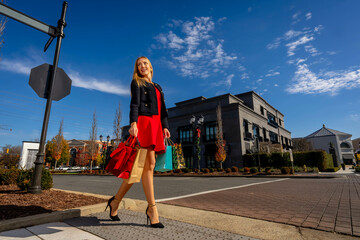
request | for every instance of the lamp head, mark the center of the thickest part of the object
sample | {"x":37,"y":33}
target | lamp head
{"x":192,"y":119}
{"x":101,"y":137}
{"x":201,"y":120}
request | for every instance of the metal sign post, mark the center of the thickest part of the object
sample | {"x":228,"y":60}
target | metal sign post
{"x":53,"y":32}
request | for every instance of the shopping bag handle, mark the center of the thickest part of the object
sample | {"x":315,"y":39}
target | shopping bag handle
{"x":131,"y":141}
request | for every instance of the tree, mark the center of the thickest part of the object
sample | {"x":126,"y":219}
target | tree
{"x":301,"y":145}
{"x":117,"y":128}
{"x":49,"y":152}
{"x":220,"y":154}
{"x":3,"y":21}
{"x":57,"y":141}
{"x":10,"y":156}
{"x":65,"y":152}
{"x":92,"y":145}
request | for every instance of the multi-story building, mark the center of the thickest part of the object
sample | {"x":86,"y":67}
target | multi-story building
{"x":246,"y":117}
{"x":340,"y":141}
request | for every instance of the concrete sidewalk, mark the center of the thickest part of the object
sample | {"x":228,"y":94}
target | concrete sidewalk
{"x":180,"y":222}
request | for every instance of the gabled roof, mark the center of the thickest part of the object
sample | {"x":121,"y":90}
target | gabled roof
{"x":75,"y":142}
{"x":322,"y":132}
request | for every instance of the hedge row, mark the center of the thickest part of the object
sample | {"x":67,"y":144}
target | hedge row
{"x":275,"y":160}
{"x":22,"y":178}
{"x":319,"y":159}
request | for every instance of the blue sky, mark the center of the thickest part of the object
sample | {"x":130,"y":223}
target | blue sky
{"x":302,"y":57}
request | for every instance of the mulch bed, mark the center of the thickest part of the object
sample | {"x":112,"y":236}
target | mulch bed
{"x":15,"y":203}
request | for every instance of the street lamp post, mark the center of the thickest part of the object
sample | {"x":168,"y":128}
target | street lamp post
{"x":104,"y":148}
{"x":196,"y":129}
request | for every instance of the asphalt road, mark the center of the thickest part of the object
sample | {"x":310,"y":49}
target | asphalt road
{"x":165,"y":187}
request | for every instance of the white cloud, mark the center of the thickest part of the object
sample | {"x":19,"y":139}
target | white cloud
{"x":16,"y":66}
{"x":274,"y":44}
{"x":272,"y":73}
{"x":308,"y":16}
{"x":194,"y":51}
{"x":304,"y":36}
{"x":306,"y":81}
{"x":244,"y":76}
{"x":276,"y":85}
{"x":249,"y":9}
{"x":242,"y":68}
{"x":301,"y":41}
{"x":227,"y":82}
{"x":25,"y":65}
{"x":313,"y":51}
{"x":101,"y":85}
{"x":355,"y":117}
{"x":296,"y":18}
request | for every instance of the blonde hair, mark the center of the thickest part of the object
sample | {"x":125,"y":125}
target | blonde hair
{"x":140,"y":81}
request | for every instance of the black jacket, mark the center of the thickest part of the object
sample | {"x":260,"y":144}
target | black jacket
{"x":144,"y":102}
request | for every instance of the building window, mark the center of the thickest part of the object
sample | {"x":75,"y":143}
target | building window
{"x":273,"y":137}
{"x":246,"y":126}
{"x":279,"y":122}
{"x":185,"y":135}
{"x":262,"y":110}
{"x":256,"y":130}
{"x":210,"y":132}
{"x":264,"y":134}
{"x":344,"y":145}
{"x":272,"y":120}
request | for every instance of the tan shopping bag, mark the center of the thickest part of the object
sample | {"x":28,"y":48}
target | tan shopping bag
{"x":138,"y":167}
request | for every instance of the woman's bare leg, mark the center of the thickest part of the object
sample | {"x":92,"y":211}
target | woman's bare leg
{"x":124,"y":188}
{"x":148,"y":185}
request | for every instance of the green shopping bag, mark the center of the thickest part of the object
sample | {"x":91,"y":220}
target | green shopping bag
{"x":164,"y":161}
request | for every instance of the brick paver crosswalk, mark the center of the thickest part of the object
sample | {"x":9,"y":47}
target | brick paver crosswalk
{"x":324,"y":204}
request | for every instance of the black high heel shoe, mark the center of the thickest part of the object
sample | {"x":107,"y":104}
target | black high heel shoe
{"x":116,"y":217}
{"x":155,"y":225}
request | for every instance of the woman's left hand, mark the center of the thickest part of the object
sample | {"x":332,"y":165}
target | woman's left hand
{"x":166,"y":133}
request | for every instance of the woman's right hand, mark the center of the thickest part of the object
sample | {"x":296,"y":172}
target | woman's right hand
{"x":133,"y":129}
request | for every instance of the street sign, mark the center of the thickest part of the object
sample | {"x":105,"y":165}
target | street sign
{"x":23,"y":18}
{"x":39,"y":81}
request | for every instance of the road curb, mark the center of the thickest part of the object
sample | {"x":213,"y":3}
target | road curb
{"x":255,"y":176}
{"x":60,"y":216}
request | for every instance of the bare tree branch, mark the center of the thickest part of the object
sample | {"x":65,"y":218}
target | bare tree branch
{"x":93,"y":134}
{"x":117,"y":127}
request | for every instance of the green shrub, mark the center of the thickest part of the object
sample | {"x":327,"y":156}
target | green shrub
{"x":253,"y":170}
{"x":265,"y":159}
{"x":357,"y":169}
{"x":298,"y":169}
{"x":228,"y":170}
{"x":234,"y":169}
{"x":279,"y":160}
{"x":177,"y":171}
{"x":196,"y":170}
{"x":268,"y":170}
{"x":285,"y":170}
{"x":248,"y":160}
{"x":25,"y":177}
{"x":185,"y":170}
{"x":319,"y":159}
{"x":205,"y":170}
{"x":212,"y":170}
{"x":220,"y":169}
{"x":246,"y":169}
{"x":8,"y":176}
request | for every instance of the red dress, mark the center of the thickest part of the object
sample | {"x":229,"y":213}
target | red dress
{"x":150,"y":132}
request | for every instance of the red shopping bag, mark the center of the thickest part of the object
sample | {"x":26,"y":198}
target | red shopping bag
{"x":122,"y":159}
